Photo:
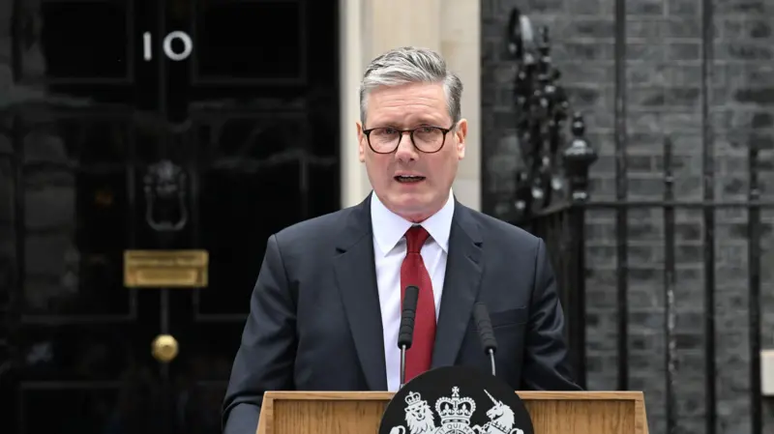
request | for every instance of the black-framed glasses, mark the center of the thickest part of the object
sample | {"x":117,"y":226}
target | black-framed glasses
{"x":426,"y":139}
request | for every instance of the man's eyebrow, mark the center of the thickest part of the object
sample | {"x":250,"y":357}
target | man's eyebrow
{"x":422,"y":121}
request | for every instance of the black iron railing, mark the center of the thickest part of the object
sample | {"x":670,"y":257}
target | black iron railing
{"x":553,"y":181}
{"x":552,"y":199}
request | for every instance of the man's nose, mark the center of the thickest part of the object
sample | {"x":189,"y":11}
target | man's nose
{"x":405,"y":151}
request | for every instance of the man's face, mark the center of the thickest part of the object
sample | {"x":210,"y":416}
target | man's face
{"x":402,"y":108}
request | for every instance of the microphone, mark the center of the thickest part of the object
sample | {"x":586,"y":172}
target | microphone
{"x":406,"y":331}
{"x":485,"y":332}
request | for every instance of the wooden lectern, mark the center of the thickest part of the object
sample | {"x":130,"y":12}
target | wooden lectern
{"x":361,"y":412}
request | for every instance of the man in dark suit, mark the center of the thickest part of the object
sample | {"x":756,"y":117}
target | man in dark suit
{"x":325,"y":310}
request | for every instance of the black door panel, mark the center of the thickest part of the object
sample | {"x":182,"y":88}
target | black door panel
{"x":68,"y":42}
{"x":241,"y":40}
{"x":105,"y":149}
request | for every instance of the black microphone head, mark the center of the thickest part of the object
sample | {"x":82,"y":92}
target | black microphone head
{"x":408,"y":313}
{"x":484,"y":326}
{"x":410,"y":298}
{"x":480,"y":313}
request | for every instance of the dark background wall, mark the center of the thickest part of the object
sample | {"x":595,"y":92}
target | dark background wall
{"x":663,"y":97}
{"x":6,"y":177}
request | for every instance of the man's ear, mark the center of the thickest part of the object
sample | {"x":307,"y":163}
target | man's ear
{"x":460,"y":134}
{"x":360,"y":142}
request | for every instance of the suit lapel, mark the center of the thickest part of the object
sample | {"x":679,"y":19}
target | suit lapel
{"x":461,"y":285}
{"x":356,"y":277}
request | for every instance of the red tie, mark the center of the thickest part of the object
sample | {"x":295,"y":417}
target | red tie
{"x":413,"y":272}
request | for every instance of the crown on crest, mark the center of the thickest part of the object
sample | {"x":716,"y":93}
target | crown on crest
{"x":455,"y":409}
{"x":413,"y":398}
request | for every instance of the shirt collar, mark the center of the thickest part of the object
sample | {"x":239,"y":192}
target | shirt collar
{"x":389,"y":228}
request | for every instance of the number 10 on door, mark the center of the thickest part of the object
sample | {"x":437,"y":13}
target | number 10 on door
{"x":147,"y":46}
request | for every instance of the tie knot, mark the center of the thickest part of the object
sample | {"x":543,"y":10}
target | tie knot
{"x":415,"y":238}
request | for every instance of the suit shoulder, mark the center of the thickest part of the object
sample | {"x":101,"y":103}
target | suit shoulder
{"x":501,"y":230}
{"x":314,"y":226}
{"x":315,"y":235}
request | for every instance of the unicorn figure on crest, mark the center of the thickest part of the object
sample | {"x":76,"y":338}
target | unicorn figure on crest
{"x":501,"y":419}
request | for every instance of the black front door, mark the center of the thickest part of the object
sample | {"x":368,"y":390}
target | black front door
{"x":152,"y":126}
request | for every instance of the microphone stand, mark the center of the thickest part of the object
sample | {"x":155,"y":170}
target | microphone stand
{"x":406,"y":331}
{"x":402,"y":366}
{"x":492,"y":360}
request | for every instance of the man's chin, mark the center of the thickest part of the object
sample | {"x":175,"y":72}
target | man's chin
{"x":412,"y":201}
{"x":414,"y":207}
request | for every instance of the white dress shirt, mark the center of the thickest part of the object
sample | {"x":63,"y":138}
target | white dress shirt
{"x":389,"y":251}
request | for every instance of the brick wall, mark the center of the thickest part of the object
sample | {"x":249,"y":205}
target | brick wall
{"x":663,"y":98}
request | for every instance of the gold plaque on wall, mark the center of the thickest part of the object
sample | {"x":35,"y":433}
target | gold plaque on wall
{"x":165,"y":268}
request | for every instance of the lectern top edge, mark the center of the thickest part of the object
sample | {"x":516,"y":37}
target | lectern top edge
{"x":533,"y":395}
{"x":327,"y":395}
{"x":529,"y":395}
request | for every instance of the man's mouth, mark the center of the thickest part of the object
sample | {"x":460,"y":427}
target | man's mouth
{"x":408,"y":179}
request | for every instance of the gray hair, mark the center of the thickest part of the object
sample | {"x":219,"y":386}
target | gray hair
{"x":406,"y":65}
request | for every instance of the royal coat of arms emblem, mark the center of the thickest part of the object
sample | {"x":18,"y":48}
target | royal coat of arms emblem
{"x":479,"y":403}
{"x":455,"y":415}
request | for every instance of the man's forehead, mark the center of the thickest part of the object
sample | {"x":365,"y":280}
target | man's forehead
{"x":408,"y":110}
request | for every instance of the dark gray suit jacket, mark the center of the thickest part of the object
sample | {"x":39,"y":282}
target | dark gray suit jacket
{"x":315,"y":320}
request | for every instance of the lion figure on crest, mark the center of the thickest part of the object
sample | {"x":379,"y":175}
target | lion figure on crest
{"x":419,"y":417}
